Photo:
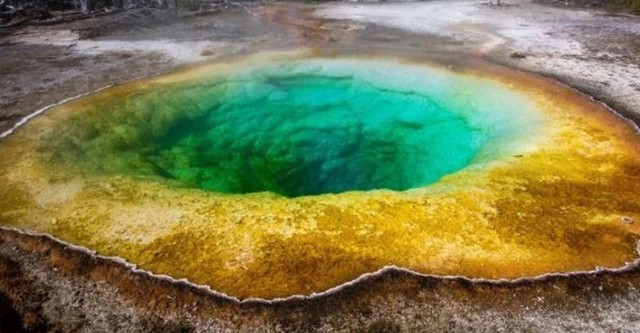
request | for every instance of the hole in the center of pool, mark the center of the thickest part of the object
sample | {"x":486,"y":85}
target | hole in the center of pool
{"x":309,"y":134}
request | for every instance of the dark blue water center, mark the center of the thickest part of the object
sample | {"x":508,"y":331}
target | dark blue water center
{"x":308,"y":134}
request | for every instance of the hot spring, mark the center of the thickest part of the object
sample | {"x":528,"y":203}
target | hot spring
{"x":290,"y":173}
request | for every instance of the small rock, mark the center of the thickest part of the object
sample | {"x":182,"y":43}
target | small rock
{"x":627,"y":220}
{"x":518,"y":55}
{"x":207,"y":53}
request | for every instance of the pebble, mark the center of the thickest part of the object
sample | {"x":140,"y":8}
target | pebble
{"x":627,"y":220}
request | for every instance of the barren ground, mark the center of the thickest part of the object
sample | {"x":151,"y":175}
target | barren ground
{"x":46,"y":286}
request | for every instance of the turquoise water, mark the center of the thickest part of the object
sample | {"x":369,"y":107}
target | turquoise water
{"x":311,"y":134}
{"x":301,"y":128}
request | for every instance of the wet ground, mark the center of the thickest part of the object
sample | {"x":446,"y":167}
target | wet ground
{"x":45,"y":286}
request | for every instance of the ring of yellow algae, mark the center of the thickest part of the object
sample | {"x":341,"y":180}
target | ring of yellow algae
{"x":551,"y":201}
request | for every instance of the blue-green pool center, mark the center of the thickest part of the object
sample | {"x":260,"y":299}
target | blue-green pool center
{"x":297,"y":128}
{"x":311,"y":134}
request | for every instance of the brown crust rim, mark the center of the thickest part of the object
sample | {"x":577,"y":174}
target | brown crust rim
{"x":73,"y":260}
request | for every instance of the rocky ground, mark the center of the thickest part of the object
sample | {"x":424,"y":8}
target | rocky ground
{"x":47,"y":286}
